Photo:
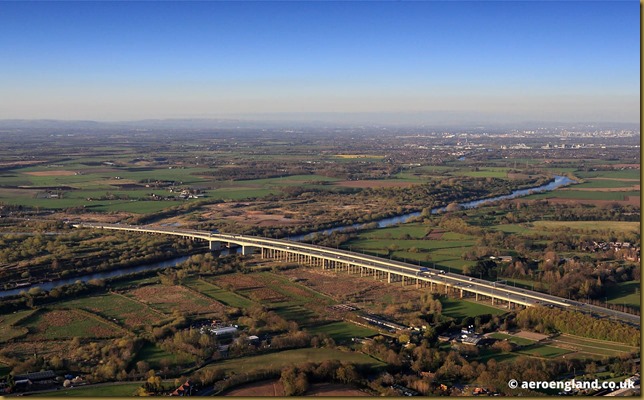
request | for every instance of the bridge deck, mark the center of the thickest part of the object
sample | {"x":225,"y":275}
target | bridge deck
{"x":394,"y":271}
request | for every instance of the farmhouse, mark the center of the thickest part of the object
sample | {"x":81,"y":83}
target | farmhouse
{"x":183,"y":390}
{"x":502,"y":258}
{"x":471,"y":339}
{"x":38,"y":377}
{"x":444,"y":338}
{"x":219,"y":331}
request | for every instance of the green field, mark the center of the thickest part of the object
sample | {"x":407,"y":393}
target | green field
{"x":155,"y":355}
{"x":431,"y":245}
{"x":292,"y":357}
{"x":583,"y":195}
{"x":60,"y":324}
{"x":527,"y":284}
{"x":436,"y":168}
{"x":7,"y":330}
{"x":295,"y":291}
{"x":605,"y":183}
{"x":627,"y":293}
{"x":139,"y":207}
{"x":615,"y":226}
{"x":97,"y":182}
{"x":342,"y":331}
{"x":460,"y":170}
{"x":413,"y":177}
{"x":134,"y":282}
{"x":484,"y":172}
{"x":514,"y":339}
{"x":498,"y":357}
{"x":295,"y":312}
{"x":540,"y":350}
{"x":416,"y":231}
{"x":111,"y":390}
{"x":214,"y":292}
{"x":620,"y":174}
{"x":238,"y":193}
{"x":593,"y":346}
{"x":445,"y":252}
{"x":515,"y":228}
{"x":564,"y":344}
{"x":463,"y":308}
{"x":439,"y":251}
{"x":125,"y":310}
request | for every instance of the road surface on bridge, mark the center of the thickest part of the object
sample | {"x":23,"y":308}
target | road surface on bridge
{"x":462,"y":283}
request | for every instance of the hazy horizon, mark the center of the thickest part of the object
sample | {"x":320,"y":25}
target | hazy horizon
{"x":346,"y":62}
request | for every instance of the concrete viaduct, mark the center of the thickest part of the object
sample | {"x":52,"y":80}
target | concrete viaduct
{"x":369,"y":266}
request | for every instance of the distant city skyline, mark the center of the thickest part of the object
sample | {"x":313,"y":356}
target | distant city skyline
{"x":433,"y":62}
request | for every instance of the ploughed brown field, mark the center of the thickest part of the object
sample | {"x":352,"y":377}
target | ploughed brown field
{"x":260,"y":219}
{"x":43,"y":348}
{"x":177,"y":297}
{"x":239,"y":282}
{"x":110,"y":218}
{"x":530,"y":335}
{"x":51,"y":173}
{"x":435,"y":234}
{"x":266,"y":295}
{"x":338,"y":287}
{"x":239,"y":212}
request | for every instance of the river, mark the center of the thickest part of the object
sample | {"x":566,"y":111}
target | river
{"x":383,"y":223}
{"x":558,"y":182}
{"x":98,"y":275}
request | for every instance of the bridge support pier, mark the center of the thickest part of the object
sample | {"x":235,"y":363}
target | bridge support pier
{"x":213,"y":245}
{"x":248,"y":250}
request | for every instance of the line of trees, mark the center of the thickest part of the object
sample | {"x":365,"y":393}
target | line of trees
{"x":553,"y":320}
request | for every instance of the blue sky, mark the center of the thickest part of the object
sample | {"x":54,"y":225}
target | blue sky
{"x":551,"y":61}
